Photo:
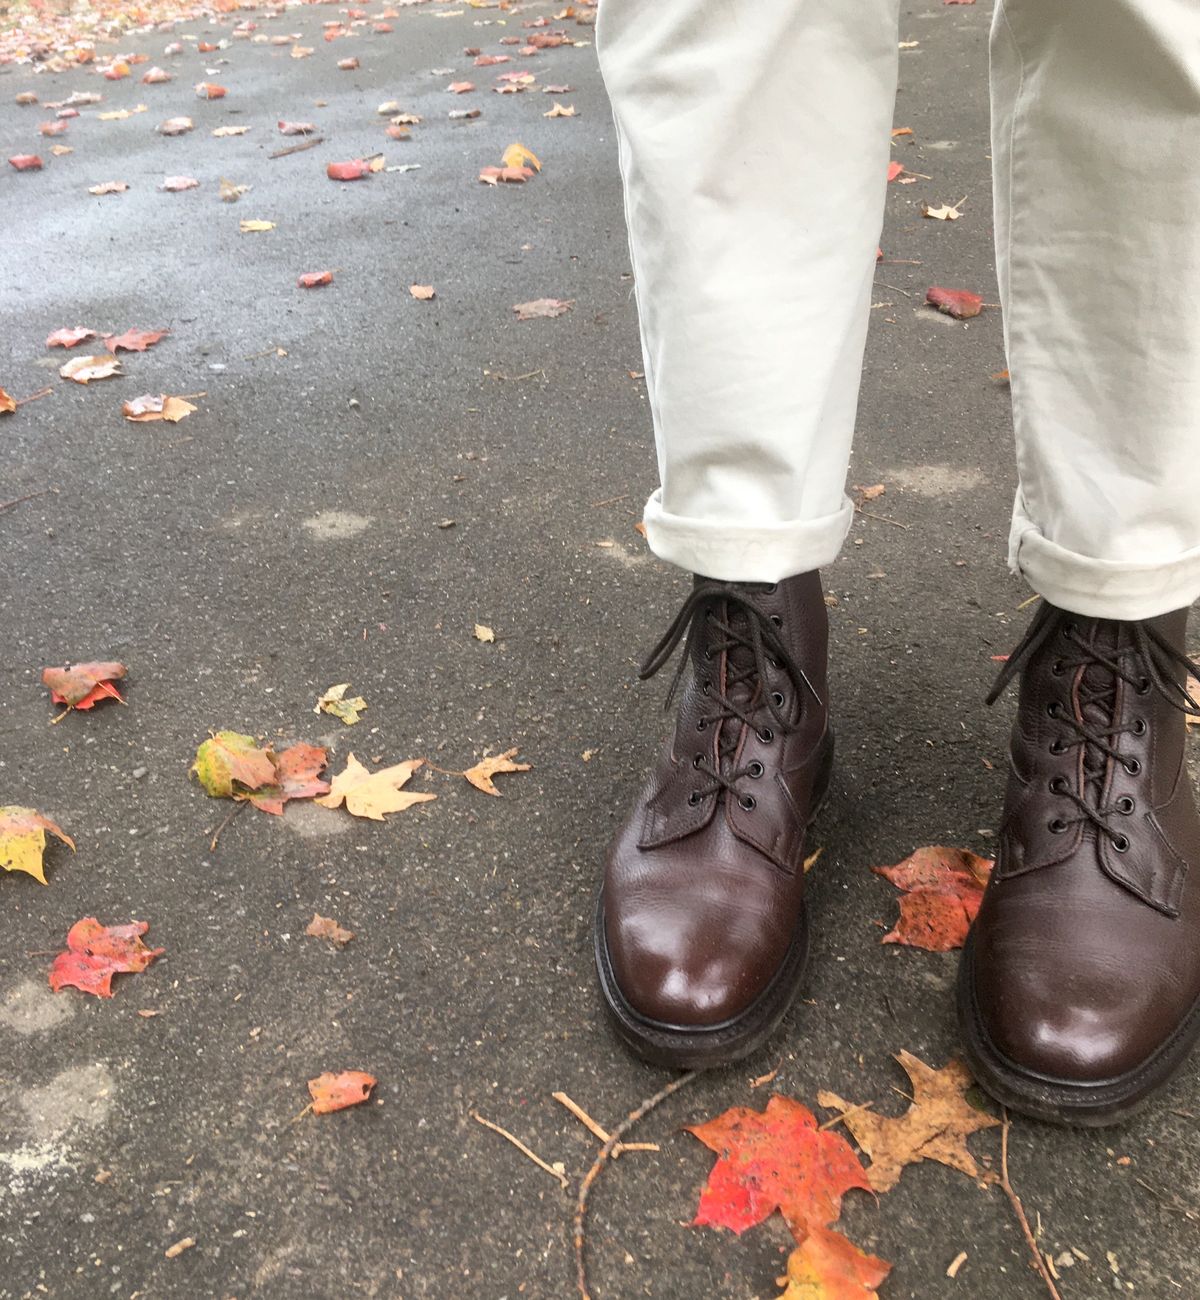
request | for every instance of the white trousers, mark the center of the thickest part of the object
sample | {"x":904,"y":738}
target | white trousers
{"x":754,"y":141}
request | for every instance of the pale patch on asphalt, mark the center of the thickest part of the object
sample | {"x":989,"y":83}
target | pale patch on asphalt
{"x":79,"y":1095}
{"x":24,"y":1169}
{"x":336,"y":525}
{"x":947,"y":145}
{"x":629,"y":559}
{"x":311,"y":822}
{"x":31,"y":1008}
{"x":936,"y":317}
{"x":934,"y":480}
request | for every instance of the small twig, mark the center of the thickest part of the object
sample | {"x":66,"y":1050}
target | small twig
{"x":298,"y":148}
{"x":1167,"y":1198}
{"x":598,"y":1164}
{"x":522,"y":1148}
{"x":609,"y":501}
{"x":883,"y":519}
{"x":1026,"y":603}
{"x":233,"y":812}
{"x":29,"y":496}
{"x":33,"y":397}
{"x":1015,"y":1201}
{"x":597,"y":1131}
{"x":837,"y":1119}
{"x":897,"y":288}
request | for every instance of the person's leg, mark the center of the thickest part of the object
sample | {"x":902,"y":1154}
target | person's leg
{"x":1080,"y":988}
{"x":754,"y":148}
{"x":754,"y":145}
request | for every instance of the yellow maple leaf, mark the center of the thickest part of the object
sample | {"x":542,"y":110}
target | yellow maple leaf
{"x":480,"y":776}
{"x":23,"y":840}
{"x":371,"y":794}
{"x":334,"y":701}
{"x":250,"y":227}
{"x":516,"y":155}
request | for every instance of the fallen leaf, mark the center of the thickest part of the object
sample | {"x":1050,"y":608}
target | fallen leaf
{"x":84,"y":369}
{"x":108,"y":187}
{"x":332,"y":1092}
{"x":557,"y":90}
{"x":314,"y":279}
{"x":895,"y":169}
{"x":81,"y":686}
{"x":252,"y":227}
{"x":325,"y":927}
{"x":134,"y":340}
{"x":516,"y":155}
{"x":871,"y":493}
{"x":334,"y":701}
{"x":155,"y":76}
{"x":354,"y":170}
{"x":422,"y":292}
{"x":69,"y":338}
{"x":480,"y":776}
{"x":58,"y":150}
{"x":95,"y":953}
{"x":301,"y":51}
{"x":23,"y":840}
{"x":489,"y":60}
{"x":460,"y":87}
{"x":959,"y":303}
{"x":297,"y":775}
{"x":175,"y":126}
{"x":372,"y":794}
{"x":483,"y":632}
{"x":935,"y":1126}
{"x":186,"y":1243}
{"x":143,"y":410}
{"x":207,"y":90}
{"x":297,"y":128}
{"x":8,"y":403}
{"x":543,"y":308}
{"x":947,"y":211}
{"x":116,"y":71}
{"x":462,"y":114}
{"x":942,"y":889}
{"x":25,"y":98}
{"x":223,"y":131}
{"x":173,"y":184}
{"x":509,"y":175}
{"x":560,"y":110}
{"x":229,"y":764}
{"x":776,"y":1159}
{"x":53,"y":128}
{"x":827,"y":1266}
{"x":26,"y":162}
{"x":229,"y":192}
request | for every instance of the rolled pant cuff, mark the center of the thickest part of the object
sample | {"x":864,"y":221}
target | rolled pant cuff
{"x":1102,"y":588}
{"x":740,"y":553}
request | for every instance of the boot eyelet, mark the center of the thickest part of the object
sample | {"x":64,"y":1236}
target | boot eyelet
{"x":1057,"y":826}
{"x":697,"y":760}
{"x":756,"y":769}
{"x":774,"y":663}
{"x":702,"y":724}
{"x":707,"y":653}
{"x":1071,"y":628}
{"x":777,"y":699}
{"x":747,"y":802}
{"x":776,"y":620}
{"x":1054,"y":710}
{"x":1126,"y":805}
{"x":1058,"y":747}
{"x":694,"y":798}
{"x":772,"y":588}
{"x":1133,"y":766}
{"x":1058,"y":785}
{"x":766,"y":735}
{"x":705,"y":688}
{"x":1121,"y":843}
{"x":1059,"y":668}
{"x":1143,"y":687}
{"x":1139,"y":726}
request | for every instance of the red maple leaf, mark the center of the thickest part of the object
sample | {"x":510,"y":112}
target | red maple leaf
{"x":95,"y":953}
{"x":942,"y":890}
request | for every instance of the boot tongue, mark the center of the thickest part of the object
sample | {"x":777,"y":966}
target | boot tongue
{"x":1097,"y":691}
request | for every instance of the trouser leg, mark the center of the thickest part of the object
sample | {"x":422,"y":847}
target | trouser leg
{"x":754,"y":144}
{"x":1095,"y":112}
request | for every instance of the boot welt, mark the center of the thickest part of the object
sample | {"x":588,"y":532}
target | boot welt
{"x":1064,"y":1101}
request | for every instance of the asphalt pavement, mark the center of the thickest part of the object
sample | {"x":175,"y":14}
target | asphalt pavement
{"x":366,"y":477}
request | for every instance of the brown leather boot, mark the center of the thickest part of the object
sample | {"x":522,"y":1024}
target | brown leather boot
{"x":1079,"y":987}
{"x":701,"y":936}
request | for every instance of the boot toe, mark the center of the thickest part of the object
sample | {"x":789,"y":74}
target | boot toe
{"x":679,"y":965}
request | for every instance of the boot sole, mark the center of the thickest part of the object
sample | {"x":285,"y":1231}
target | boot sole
{"x":1063,"y":1101}
{"x":683,"y":1048}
